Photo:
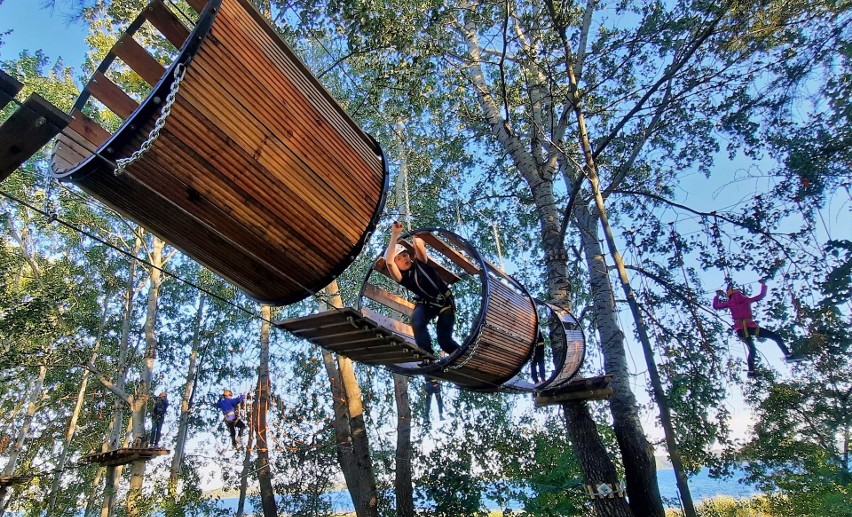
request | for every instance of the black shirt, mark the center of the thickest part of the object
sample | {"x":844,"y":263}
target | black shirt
{"x":422,"y":279}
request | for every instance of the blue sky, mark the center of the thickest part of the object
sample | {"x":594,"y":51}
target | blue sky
{"x":35,"y":27}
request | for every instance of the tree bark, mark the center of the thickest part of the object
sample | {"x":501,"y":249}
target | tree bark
{"x":403,"y":487}
{"x":353,"y":448}
{"x":15,"y":450}
{"x":140,"y":399}
{"x":186,"y":400}
{"x":75,"y":415}
{"x":259,"y":413}
{"x":593,"y":458}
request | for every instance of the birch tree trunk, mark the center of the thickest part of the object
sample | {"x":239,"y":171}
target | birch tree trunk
{"x":140,"y":399}
{"x":78,"y":405}
{"x":403,"y":487}
{"x":186,"y":400}
{"x":353,"y":448}
{"x":245,"y":473}
{"x":15,"y":450}
{"x":258,"y":415}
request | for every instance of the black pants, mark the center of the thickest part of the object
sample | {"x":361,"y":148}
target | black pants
{"x":429,"y":404}
{"x":537,"y":364}
{"x":232,"y":426}
{"x":748,"y":335}
{"x":156,"y":430}
{"x":426,"y":312}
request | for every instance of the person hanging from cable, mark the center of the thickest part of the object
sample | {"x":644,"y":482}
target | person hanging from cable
{"x":433,"y":387}
{"x":158,"y":415}
{"x":744,"y":325}
{"x":537,"y":363}
{"x":230,"y":407}
{"x":434,"y":300}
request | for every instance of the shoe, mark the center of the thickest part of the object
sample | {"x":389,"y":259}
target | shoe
{"x":794,"y":358}
{"x":535,"y":380}
{"x":425,"y":362}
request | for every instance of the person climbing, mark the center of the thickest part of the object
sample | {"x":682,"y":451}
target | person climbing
{"x":537,"y":363}
{"x":745,"y":326}
{"x":433,"y":297}
{"x":158,"y":415}
{"x":433,"y":387}
{"x":230,"y":409}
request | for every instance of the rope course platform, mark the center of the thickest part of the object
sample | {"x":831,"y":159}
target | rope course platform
{"x":585,"y":388}
{"x":123,"y":456}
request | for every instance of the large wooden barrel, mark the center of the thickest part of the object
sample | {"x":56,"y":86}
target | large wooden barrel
{"x":257,"y":173}
{"x":567,"y":345}
{"x":496,"y":317}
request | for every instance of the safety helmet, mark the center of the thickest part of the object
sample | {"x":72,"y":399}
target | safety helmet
{"x":731,"y":290}
{"x":400,"y":249}
{"x":227,"y":393}
{"x":163,"y":395}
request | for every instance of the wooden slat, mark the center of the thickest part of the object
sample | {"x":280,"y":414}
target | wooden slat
{"x":88,"y":129}
{"x":167,"y":23}
{"x":139,"y":60}
{"x":123,"y":456}
{"x":26,"y":131}
{"x":590,"y":388}
{"x":9,"y":87}
{"x":113,"y":97}
{"x":454,"y":255}
{"x":446,"y":275}
{"x":389,"y":323}
{"x":388,"y":299}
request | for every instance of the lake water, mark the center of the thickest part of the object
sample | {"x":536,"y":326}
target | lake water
{"x":701,"y":486}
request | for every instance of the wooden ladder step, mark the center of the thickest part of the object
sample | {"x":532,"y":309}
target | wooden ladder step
{"x":27,"y":130}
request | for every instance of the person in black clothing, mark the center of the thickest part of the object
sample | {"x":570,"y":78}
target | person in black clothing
{"x":537,"y":363}
{"x":158,"y":414}
{"x":433,"y":387}
{"x":433,"y":297}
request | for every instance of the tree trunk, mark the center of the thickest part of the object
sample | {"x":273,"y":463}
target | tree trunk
{"x":244,"y":474}
{"x":15,"y":449}
{"x":353,"y":451}
{"x":140,"y":399}
{"x":75,"y":415}
{"x":186,"y":400}
{"x":403,"y":487}
{"x":653,"y":372}
{"x":637,"y":453}
{"x":594,"y":461}
{"x":258,"y":415}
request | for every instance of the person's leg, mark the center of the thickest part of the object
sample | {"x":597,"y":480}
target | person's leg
{"x":445,"y":326}
{"x":745,"y":335}
{"x":763,"y":333}
{"x":156,"y":426}
{"x":440,"y":405}
{"x":241,"y":425}
{"x":427,"y":409}
{"x":538,"y":363}
{"x":420,"y":324}
{"x":232,"y":432}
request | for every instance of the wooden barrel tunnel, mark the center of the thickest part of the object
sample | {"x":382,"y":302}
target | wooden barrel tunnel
{"x":567,"y":344}
{"x":257,"y":172}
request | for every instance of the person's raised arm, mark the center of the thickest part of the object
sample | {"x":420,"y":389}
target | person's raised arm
{"x":762,"y":292}
{"x":717,"y":300}
{"x":420,"y":250}
{"x":390,"y":252}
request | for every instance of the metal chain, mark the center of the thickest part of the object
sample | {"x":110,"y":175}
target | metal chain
{"x":122,"y":163}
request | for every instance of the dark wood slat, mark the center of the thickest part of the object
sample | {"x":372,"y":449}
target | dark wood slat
{"x":167,"y":23}
{"x":88,"y":129}
{"x":26,"y":131}
{"x":139,"y":60}
{"x":9,"y":87}
{"x":123,"y":456}
{"x":452,"y":254}
{"x":388,"y":299}
{"x":388,"y":323}
{"x":589,"y":388}
{"x":113,"y":97}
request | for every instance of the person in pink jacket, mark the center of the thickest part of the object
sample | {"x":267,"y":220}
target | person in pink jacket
{"x":745,"y":326}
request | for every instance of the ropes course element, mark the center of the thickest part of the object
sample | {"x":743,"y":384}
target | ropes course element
{"x":213,"y":197}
